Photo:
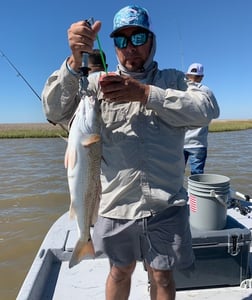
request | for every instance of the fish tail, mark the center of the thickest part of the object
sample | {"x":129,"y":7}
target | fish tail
{"x":81,"y":250}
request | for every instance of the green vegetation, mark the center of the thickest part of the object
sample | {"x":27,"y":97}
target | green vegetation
{"x":16,"y":134}
{"x":33,"y":130}
{"x":230,"y":125}
{"x":46,"y":130}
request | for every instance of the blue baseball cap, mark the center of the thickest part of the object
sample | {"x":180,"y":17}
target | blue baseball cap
{"x":129,"y":16}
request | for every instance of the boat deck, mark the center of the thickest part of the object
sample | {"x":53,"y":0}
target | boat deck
{"x":50,"y":277}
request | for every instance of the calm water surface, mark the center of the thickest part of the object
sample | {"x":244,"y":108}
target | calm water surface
{"x":34,"y":193}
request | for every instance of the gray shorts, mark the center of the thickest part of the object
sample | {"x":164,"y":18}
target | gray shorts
{"x":163,"y":240}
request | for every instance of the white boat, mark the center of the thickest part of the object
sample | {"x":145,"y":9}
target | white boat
{"x":50,"y":277}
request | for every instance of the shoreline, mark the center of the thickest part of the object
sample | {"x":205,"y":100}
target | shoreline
{"x":31,"y":130}
{"x":47,"y":130}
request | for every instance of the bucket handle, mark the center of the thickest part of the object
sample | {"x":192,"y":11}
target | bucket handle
{"x":213,"y":194}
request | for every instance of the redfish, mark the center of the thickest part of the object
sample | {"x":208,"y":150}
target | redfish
{"x":83,"y":161}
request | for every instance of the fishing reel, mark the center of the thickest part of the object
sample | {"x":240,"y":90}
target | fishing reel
{"x":84,"y":69}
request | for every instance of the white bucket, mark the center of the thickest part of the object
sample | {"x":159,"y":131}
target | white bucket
{"x":208,"y":196}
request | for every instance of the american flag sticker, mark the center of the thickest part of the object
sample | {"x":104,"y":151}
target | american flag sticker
{"x":193,"y":203}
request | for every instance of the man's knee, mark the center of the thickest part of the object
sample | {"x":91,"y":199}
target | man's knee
{"x":121,"y":273}
{"x":162,"y":278}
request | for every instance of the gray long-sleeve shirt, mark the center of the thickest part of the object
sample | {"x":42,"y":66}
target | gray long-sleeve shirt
{"x":197,"y":138}
{"x":143,"y":167}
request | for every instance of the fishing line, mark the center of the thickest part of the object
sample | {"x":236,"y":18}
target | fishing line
{"x":28,"y":84}
{"x":101,"y":53}
{"x":84,"y":67}
{"x":19,"y":73}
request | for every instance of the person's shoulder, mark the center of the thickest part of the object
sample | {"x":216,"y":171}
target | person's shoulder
{"x":173,"y":71}
{"x":173,"y":78}
{"x":205,"y":88}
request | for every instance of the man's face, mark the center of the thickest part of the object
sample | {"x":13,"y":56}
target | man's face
{"x":195,"y":78}
{"x":133,"y":57}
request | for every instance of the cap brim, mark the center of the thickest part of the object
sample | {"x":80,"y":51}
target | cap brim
{"x":112,"y":34}
{"x":189,"y":73}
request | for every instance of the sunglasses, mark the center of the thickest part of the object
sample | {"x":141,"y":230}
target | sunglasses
{"x":136,"y":39}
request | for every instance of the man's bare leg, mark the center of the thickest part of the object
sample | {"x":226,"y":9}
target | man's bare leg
{"x":162,"y":285}
{"x":119,"y":282}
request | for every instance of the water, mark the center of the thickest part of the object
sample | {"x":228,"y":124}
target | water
{"x":34,"y":193}
{"x":230,"y":155}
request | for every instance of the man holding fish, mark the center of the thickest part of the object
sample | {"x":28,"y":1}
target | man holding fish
{"x":143,"y":115}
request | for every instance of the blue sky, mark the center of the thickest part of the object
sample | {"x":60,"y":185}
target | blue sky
{"x":216,"y":33}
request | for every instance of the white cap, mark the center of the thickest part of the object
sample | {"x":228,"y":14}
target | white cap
{"x":196,"y":69}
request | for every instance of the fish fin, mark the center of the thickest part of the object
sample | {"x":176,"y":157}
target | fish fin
{"x":72,"y":212}
{"x":63,"y":138}
{"x":66,"y":158}
{"x":70,"y":158}
{"x":81,"y":250}
{"x":91,"y":139}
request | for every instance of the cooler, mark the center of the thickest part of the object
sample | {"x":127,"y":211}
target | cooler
{"x":221,"y":257}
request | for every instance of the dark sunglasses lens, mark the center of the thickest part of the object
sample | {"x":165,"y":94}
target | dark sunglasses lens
{"x":139,"y":39}
{"x":120,"y":42}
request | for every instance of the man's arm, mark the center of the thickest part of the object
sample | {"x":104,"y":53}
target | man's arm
{"x":60,"y":96}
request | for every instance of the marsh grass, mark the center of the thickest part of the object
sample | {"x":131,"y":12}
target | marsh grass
{"x":31,"y":130}
{"x":47,"y":130}
{"x":229,"y":125}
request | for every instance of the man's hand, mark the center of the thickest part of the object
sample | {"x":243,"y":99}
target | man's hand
{"x":81,"y":38}
{"x":117,"y":88}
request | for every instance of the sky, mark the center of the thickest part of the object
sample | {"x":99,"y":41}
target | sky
{"x":216,"y":33}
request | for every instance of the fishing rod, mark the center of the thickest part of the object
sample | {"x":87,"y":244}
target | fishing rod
{"x":241,"y":206}
{"x":28,"y":84}
{"x":19,"y":74}
{"x":242,"y":196}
